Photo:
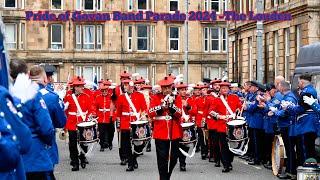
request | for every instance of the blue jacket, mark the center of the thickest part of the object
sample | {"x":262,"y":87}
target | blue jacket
{"x":316,"y":108}
{"x":36,"y":116}
{"x":19,"y":128}
{"x":270,"y":121}
{"x":254,"y":113}
{"x":245,"y":113}
{"x":58,"y":117}
{"x":285,"y":119}
{"x":307,"y":120}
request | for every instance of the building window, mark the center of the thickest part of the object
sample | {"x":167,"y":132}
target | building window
{"x":89,"y":37}
{"x":129,"y":38}
{"x":89,"y":72}
{"x":174,"y":5}
{"x":211,"y":72}
{"x":142,"y":38}
{"x":130,"y":5}
{"x":174,"y":70}
{"x":298,"y":39}
{"x":56,"y":36}
{"x":11,"y":36}
{"x":22,"y":35}
{"x":224,"y":39}
{"x":276,"y":54}
{"x":215,"y":39}
{"x":174,"y":36}
{"x":206,"y":39}
{"x":143,"y":71}
{"x":287,"y":55}
{"x":56,"y":4}
{"x":89,"y":5}
{"x":142,"y":5}
{"x":214,"y":5}
{"x":10,"y":3}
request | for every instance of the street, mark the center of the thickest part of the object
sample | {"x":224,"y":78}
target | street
{"x":106,"y":165}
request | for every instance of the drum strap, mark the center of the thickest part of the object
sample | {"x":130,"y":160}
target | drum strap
{"x":193,"y":151}
{"x":132,"y":106}
{"x":227,"y":106}
{"x":83,"y":116}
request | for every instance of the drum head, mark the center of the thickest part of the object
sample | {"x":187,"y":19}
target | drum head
{"x":240,"y":118}
{"x":185,"y":125}
{"x":139,"y":122}
{"x":236,"y":122}
{"x":86,"y":124}
{"x":278,"y":152}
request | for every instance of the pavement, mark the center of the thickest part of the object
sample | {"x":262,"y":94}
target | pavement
{"x":106,"y":165}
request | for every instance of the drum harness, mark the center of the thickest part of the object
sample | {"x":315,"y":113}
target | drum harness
{"x":138,"y":119}
{"x":83,"y":117}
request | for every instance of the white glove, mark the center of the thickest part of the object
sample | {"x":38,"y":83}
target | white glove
{"x":273,"y":109}
{"x":309,"y":100}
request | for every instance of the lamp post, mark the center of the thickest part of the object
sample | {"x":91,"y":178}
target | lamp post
{"x":186,"y":41}
{"x":259,"y":44}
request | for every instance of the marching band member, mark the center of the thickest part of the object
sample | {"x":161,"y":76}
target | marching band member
{"x":54,"y":105}
{"x":214,"y":152}
{"x":186,"y":110}
{"x":307,"y":119}
{"x":37,"y":162}
{"x":147,"y":92}
{"x":105,"y":120}
{"x":222,"y":110}
{"x":167,"y":132}
{"x":255,"y":121}
{"x":79,"y":107}
{"x":131,"y":106}
{"x":200,"y":91}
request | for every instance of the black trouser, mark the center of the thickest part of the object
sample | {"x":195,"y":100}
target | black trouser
{"x":268,"y":139}
{"x":289,"y":145}
{"x":127,"y":148}
{"x":182,"y":158}
{"x":257,"y":144}
{"x":73,"y":148}
{"x":306,"y":147}
{"x":226,"y":154}
{"x":251,"y":143}
{"x":40,"y":176}
{"x":202,"y":142}
{"x":106,"y":134}
{"x":214,"y":148}
{"x":162,"y":148}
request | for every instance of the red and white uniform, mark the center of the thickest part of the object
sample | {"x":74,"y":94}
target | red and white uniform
{"x":124,"y":111}
{"x":211,"y":125}
{"x":200,"y":110}
{"x":162,"y":125}
{"x":102,"y":105}
{"x":73,"y":115}
{"x":218,"y":107}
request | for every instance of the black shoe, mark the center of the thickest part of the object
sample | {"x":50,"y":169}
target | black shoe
{"x":267,"y":165}
{"x":230,"y":167}
{"x":148,"y":149}
{"x":211,"y":160}
{"x":217,"y":164}
{"x":75,"y":168}
{"x":83,"y":165}
{"x":130,"y":168}
{"x":101,"y":149}
{"x":135,"y":166}
{"x":253,"y":163}
{"x":283,"y":176}
{"x":225,"y":170}
{"x":183,"y":168}
{"x":110,"y":147}
{"x":203,"y":157}
{"x":123,"y":162}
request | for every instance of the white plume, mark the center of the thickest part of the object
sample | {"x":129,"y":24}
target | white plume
{"x":112,"y":87}
{"x":180,"y":76}
{"x":90,"y":84}
{"x":24,"y":88}
{"x":110,"y":80}
{"x":113,"y":84}
{"x":224,"y":78}
{"x":191,"y":85}
{"x":147,"y":81}
{"x":135,"y":74}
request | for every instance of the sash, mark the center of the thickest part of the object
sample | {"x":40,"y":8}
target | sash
{"x":132,"y":106}
{"x":227,"y":106}
{"x":83,"y":116}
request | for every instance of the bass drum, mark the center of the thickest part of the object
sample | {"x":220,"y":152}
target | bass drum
{"x":278,"y":155}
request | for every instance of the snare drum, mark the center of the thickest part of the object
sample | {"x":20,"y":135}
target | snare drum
{"x":308,"y":173}
{"x":278,"y":155}
{"x":237,"y":136}
{"x":87,"y":132}
{"x":140,"y":131}
{"x":189,"y":133}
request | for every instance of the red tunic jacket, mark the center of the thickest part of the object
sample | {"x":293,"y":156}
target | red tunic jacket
{"x":212,"y":125}
{"x":102,"y":106}
{"x":124,"y":111}
{"x":218,"y":107}
{"x":200,"y":112}
{"x":73,"y":116}
{"x":162,"y":127}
